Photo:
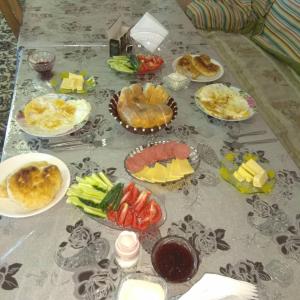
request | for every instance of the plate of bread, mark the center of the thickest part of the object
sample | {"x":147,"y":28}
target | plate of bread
{"x":31,"y":183}
{"x":225,"y":103}
{"x":143,"y":110}
{"x":200,"y":68}
{"x":53,"y":115}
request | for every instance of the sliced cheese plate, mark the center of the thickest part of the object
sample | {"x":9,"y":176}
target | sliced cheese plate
{"x":230,"y":166}
{"x":162,"y":161}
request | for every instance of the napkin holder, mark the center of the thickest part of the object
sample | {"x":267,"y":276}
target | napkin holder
{"x":119,"y":38}
{"x":149,"y":32}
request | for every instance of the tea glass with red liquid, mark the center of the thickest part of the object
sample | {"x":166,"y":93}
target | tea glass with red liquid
{"x":42,"y":62}
{"x":174,"y":259}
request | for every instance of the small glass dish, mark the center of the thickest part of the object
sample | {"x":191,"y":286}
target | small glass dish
{"x":176,"y":81}
{"x":174,"y":259}
{"x":42,"y":62}
{"x":138,"y":291}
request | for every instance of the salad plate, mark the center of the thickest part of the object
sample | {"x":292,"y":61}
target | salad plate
{"x":11,"y":208}
{"x":226,"y":103}
{"x":135,"y":64}
{"x":53,"y":115}
{"x":119,"y":205}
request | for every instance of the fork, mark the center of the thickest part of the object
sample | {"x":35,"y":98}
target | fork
{"x":236,"y":136}
{"x":69,"y":145}
{"x":238,"y":145}
{"x":227,"y":288}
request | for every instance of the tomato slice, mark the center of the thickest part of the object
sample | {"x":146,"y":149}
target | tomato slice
{"x":128,"y":187}
{"x":152,"y":212}
{"x":141,"y":201}
{"x":122,"y":212}
{"x":112,"y":215}
{"x":155,"y":212}
{"x":126,"y":196}
{"x":129,"y":218}
{"x":133,"y":196}
{"x":142,"y":223}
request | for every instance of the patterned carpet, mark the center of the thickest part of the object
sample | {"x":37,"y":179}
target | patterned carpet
{"x":8,"y":46}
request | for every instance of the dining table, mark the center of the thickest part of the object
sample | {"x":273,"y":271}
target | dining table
{"x":63,"y":253}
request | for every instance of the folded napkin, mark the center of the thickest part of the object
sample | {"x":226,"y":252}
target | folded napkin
{"x":217,"y":287}
{"x":149,"y":32}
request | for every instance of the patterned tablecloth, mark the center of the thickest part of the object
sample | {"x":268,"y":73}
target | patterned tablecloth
{"x":62,"y":253}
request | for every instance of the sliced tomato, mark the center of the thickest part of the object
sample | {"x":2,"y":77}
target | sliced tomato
{"x":129,"y":218}
{"x":128,"y":187}
{"x":133,"y":196}
{"x":152,"y":212}
{"x":126,"y":196}
{"x":141,"y":201}
{"x":112,"y":215}
{"x":142,"y":223}
{"x":122,"y":212}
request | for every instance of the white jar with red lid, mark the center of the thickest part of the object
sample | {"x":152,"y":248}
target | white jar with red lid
{"x":127,"y":249}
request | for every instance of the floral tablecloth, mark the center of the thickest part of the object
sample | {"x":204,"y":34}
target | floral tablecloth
{"x":62,"y":253}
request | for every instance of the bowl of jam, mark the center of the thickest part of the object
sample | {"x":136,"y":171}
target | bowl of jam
{"x":174,"y":259}
{"x":42,"y":62}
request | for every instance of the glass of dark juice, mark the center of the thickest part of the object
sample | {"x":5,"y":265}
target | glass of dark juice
{"x":42,"y":62}
{"x":174,"y":259}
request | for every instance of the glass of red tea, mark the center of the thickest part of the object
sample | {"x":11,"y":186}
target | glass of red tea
{"x":42,"y":62}
{"x":174,"y":259}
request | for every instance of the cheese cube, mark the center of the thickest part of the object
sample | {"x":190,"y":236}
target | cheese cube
{"x":260,"y":179}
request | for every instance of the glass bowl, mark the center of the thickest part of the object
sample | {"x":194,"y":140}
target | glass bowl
{"x":41,"y":61}
{"x":176,"y":81}
{"x":138,"y":291}
{"x":174,"y":259}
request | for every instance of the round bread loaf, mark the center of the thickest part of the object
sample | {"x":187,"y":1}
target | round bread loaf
{"x":35,"y":185}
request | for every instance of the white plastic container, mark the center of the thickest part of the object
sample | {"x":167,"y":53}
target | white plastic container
{"x":127,"y":249}
{"x":176,"y":81}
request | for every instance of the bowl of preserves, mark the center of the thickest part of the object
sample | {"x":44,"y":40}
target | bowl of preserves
{"x":174,"y":259}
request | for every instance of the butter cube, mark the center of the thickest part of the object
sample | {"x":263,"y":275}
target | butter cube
{"x":260,"y":179}
{"x":238,"y":177}
{"x":253,"y":167}
{"x":245,"y":174}
{"x":67,"y":84}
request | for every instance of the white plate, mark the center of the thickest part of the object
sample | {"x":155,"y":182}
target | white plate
{"x":34,"y":131}
{"x":10,"y":208}
{"x":251,"y":104}
{"x":203,"y":78}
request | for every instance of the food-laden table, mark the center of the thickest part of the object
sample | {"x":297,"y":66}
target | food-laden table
{"x":63,"y":252}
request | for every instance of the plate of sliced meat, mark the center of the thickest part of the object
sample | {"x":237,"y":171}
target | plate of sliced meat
{"x":162,"y":161}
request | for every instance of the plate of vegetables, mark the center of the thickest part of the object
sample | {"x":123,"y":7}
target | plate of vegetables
{"x":135,"y":64}
{"x":118,"y":205}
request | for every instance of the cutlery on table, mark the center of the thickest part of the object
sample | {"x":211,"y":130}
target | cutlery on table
{"x":238,"y":145}
{"x":69,"y":145}
{"x":236,"y":136}
{"x":218,"y":287}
